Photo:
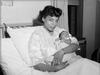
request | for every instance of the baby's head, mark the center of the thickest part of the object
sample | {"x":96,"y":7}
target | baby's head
{"x":64,"y":36}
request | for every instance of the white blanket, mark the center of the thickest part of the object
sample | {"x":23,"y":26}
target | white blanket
{"x":14,"y":64}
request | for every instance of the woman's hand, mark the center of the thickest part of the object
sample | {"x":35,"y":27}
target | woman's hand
{"x":61,"y":66}
{"x":45,"y":67}
{"x":41,"y":67}
{"x":58,"y":56}
{"x":58,"y":67}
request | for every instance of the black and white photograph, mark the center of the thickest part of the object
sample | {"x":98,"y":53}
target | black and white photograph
{"x":49,"y":37}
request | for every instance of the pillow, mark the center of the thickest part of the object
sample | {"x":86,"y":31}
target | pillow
{"x":20,"y":38}
{"x":11,"y":61}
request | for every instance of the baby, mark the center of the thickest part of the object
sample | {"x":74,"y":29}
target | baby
{"x":64,"y":40}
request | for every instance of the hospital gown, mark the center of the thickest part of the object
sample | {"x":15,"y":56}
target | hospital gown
{"x":41,"y":44}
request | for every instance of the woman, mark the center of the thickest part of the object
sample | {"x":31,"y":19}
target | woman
{"x":43,"y":38}
{"x":41,"y":45}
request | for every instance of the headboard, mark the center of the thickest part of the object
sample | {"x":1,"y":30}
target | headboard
{"x":13,"y":26}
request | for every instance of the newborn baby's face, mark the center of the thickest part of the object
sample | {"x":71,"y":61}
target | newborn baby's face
{"x":65,"y":37}
{"x":67,"y":41}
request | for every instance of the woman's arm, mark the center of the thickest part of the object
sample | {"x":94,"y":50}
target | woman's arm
{"x":71,"y":48}
{"x":49,"y":68}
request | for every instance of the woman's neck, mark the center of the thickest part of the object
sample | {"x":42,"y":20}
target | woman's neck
{"x":50,"y":32}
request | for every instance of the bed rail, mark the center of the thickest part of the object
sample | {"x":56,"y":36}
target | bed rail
{"x":17,"y":25}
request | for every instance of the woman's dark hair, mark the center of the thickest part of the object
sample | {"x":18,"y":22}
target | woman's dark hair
{"x":47,"y":11}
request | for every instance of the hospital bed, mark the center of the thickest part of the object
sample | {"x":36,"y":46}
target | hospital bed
{"x":15,"y":59}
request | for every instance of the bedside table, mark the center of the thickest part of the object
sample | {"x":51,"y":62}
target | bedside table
{"x":82,"y":51}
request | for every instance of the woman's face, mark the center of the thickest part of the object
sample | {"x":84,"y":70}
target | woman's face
{"x":50,"y":23}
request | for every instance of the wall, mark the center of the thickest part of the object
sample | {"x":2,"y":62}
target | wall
{"x":63,"y":21}
{"x":89,"y":22}
{"x":21,"y":11}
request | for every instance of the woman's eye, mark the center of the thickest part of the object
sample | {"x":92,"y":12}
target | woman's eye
{"x":57,"y":20}
{"x":50,"y":20}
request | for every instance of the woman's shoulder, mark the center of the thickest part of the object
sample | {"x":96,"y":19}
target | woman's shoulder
{"x":37,"y":31}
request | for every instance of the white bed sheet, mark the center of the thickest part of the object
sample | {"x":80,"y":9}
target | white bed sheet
{"x":14,"y":65}
{"x":11,"y":59}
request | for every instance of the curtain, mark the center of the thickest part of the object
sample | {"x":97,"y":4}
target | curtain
{"x":63,"y":4}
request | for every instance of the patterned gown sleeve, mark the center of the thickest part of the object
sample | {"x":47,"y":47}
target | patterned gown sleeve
{"x":34,"y":49}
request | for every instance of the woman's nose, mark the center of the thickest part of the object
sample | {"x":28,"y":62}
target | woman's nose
{"x":54,"y":23}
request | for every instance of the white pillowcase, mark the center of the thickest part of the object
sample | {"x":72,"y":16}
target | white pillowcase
{"x":11,"y":61}
{"x":20,"y":38}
